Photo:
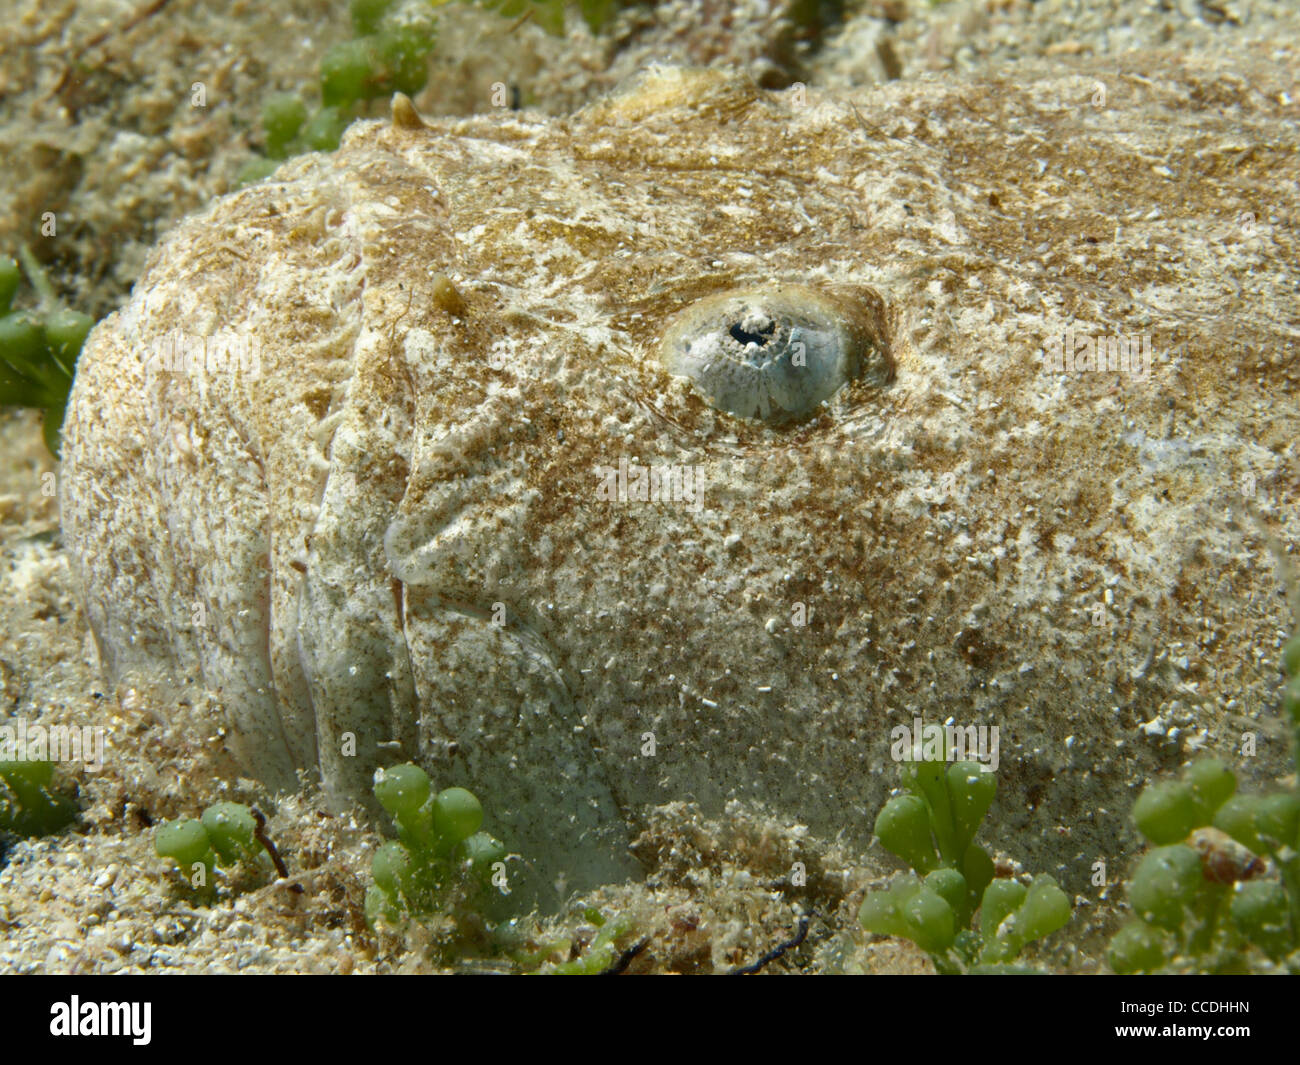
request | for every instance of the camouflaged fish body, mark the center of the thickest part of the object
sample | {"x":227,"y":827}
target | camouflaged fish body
{"x":456,"y":498}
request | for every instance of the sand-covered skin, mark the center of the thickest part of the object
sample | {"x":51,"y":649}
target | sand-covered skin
{"x":122,"y":149}
{"x":66,"y":902}
{"x":97,"y":899}
{"x":387,"y":540}
{"x":121,"y":154}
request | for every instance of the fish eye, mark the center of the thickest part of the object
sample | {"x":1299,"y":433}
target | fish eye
{"x":774,"y":353}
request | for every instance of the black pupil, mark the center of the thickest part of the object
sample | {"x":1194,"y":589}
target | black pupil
{"x":760,"y":338}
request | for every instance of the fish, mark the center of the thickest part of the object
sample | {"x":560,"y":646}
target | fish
{"x":703,"y":445}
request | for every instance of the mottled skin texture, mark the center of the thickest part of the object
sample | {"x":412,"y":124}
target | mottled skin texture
{"x":349,"y":520}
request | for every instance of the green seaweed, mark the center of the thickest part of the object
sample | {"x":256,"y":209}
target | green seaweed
{"x":442,"y":863}
{"x":30,"y":803}
{"x":954,"y":908}
{"x":603,"y":954}
{"x":1220,"y":890}
{"x":225,"y":835}
{"x":388,"y":53}
{"x":38,"y":348}
{"x":549,"y":14}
